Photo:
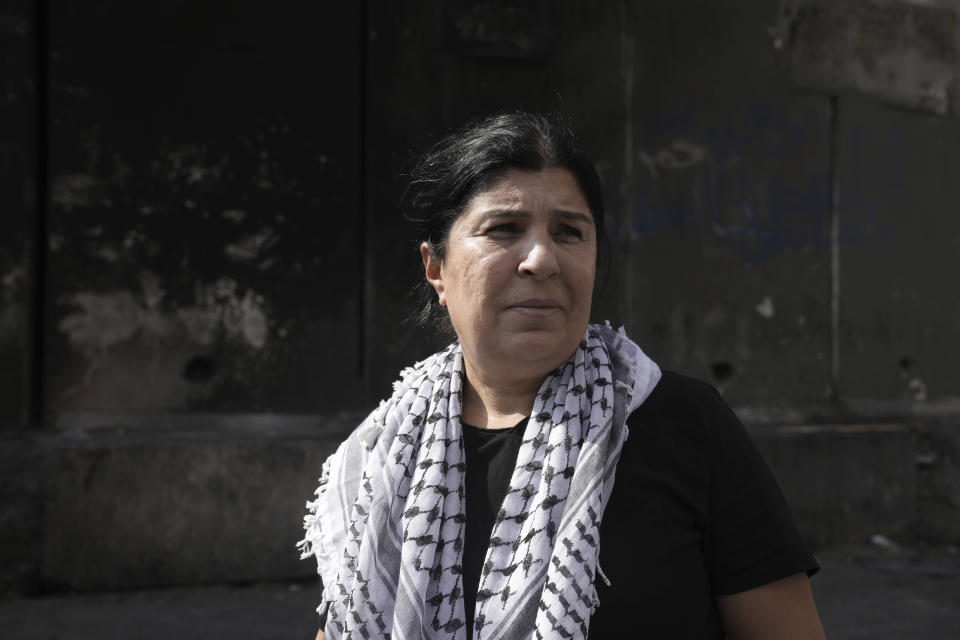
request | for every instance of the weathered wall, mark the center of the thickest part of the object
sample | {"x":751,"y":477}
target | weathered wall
{"x":225,"y":252}
{"x":726,"y":269}
{"x":221,"y":501}
{"x":900,"y":256}
{"x":938,"y":481}
{"x":439,"y":63}
{"x":715,"y":172}
{"x":846,"y":483}
{"x":218,"y":157}
{"x":899,"y":52}
{"x":21,"y":495}
{"x":204,"y":186}
{"x":18,"y":165}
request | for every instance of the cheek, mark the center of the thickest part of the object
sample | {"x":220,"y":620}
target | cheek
{"x":483,"y":276}
{"x":584,"y":273}
{"x":586,"y":294}
{"x":471,"y":281}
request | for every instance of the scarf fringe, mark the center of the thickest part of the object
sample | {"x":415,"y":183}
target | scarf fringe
{"x":312,"y":543}
{"x":397,"y":443}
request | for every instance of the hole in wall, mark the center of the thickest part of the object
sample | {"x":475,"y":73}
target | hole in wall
{"x":906,"y":362}
{"x":198,"y":369}
{"x":721,"y":370}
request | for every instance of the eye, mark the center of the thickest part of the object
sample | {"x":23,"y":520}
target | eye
{"x":502,"y":229}
{"x":570,"y":232}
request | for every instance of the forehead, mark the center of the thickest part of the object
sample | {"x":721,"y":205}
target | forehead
{"x":520,"y":190}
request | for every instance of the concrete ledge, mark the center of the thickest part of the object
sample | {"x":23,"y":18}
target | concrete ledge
{"x":219,"y":500}
{"x":844,"y":482}
{"x":152,"y":507}
{"x":21,"y":510}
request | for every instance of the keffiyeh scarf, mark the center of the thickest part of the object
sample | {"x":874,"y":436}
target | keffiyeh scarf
{"x":387,"y":524}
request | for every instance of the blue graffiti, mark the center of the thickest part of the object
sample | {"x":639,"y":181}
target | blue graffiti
{"x":735,"y":187}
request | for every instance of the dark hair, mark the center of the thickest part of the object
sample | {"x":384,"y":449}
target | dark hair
{"x":470,"y":159}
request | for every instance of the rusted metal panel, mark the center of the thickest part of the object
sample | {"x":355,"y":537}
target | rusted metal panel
{"x":900,"y":256}
{"x":18,"y":84}
{"x":724,"y":240}
{"x":902,"y":52}
{"x":204,"y":222}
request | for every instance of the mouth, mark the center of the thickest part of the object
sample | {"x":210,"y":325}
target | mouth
{"x":536,"y":307}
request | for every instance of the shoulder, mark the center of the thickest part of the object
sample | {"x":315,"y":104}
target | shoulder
{"x":677,"y":391}
{"x":684,"y":403}
{"x":672,"y":438}
{"x":687,"y":424}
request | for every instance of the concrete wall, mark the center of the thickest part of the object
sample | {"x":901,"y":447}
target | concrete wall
{"x":203,"y":207}
{"x":222,"y":284}
{"x":216,"y":501}
{"x":18,"y":183}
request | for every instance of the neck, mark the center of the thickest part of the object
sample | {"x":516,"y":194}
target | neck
{"x":492,"y":404}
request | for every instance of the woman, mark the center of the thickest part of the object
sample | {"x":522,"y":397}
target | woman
{"x":483,"y":497}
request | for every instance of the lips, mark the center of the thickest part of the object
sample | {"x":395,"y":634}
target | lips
{"x":536,"y":306}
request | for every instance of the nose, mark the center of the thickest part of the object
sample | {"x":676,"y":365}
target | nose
{"x":539,"y":258}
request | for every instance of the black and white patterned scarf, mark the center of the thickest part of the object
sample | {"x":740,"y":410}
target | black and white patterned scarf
{"x":387,"y":525}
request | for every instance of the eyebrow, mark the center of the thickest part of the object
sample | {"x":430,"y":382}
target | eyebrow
{"x":563,"y":214}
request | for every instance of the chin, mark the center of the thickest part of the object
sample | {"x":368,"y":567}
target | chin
{"x":540,"y":348}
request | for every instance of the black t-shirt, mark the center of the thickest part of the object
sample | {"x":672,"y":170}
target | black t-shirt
{"x":694,"y":513}
{"x":491,"y":457}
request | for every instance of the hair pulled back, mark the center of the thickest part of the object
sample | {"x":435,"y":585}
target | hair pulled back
{"x":472,"y":158}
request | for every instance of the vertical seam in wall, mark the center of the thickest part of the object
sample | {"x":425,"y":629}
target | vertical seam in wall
{"x":834,"y":226}
{"x":365,"y":285}
{"x":34,"y":412}
{"x":626,"y":181}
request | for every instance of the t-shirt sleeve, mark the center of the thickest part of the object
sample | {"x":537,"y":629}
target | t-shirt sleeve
{"x":752,"y":538}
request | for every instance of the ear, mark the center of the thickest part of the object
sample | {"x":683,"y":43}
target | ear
{"x":431,"y":269}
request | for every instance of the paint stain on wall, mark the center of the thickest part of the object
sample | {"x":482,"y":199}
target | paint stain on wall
{"x":134,"y":345}
{"x":249,"y":248}
{"x":721,"y":184}
{"x":220,"y":312}
{"x":766,"y":308}
{"x":11,"y":286}
{"x":234,"y":215}
{"x":899,"y":51}
{"x":74,"y":191}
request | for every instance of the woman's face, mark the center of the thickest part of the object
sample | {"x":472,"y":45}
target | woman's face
{"x":517,"y":277}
